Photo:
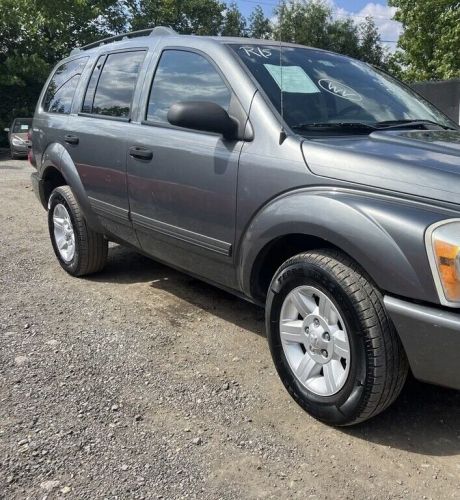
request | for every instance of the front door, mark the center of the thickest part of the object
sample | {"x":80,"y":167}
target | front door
{"x":182,"y":183}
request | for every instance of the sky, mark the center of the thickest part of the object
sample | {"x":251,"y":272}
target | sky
{"x":357,"y":9}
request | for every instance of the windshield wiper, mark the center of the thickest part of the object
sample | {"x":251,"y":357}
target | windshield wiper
{"x":352,"y":126}
{"x":410,"y":123}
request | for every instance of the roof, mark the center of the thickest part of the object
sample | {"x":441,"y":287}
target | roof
{"x":163,"y":31}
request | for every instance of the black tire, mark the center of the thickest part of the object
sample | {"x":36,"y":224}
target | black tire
{"x":378,"y":367}
{"x":91,"y":248}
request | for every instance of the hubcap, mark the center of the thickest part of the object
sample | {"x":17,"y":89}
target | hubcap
{"x":64,"y":235}
{"x":315,"y":341}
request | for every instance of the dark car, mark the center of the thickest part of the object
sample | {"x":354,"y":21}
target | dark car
{"x":18,"y":137}
{"x":305,"y":181}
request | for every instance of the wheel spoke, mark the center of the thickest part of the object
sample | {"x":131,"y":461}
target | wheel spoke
{"x":58,"y":222}
{"x":329,"y":378}
{"x":291,"y":332}
{"x":304,"y":304}
{"x":326,"y":310}
{"x":341,"y":347}
{"x":305,"y":368}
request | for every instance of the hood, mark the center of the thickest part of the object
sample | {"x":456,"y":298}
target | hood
{"x":422,"y":163}
{"x":19,"y":135}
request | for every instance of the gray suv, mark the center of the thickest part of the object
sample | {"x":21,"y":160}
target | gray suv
{"x":298,"y":179}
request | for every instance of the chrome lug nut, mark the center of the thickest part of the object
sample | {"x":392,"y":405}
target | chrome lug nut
{"x":327,"y":337}
{"x":325,"y":353}
{"x":316,"y":323}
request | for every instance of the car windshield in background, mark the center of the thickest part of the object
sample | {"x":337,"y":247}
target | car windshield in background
{"x":322,"y":91}
{"x":22,"y":126}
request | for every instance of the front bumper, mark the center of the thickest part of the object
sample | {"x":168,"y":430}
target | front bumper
{"x":20,"y":150}
{"x":431,"y":338}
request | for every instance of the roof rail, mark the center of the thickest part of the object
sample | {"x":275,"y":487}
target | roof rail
{"x":157,"y":31}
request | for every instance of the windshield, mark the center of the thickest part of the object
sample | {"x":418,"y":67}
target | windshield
{"x":22,"y":125}
{"x":325,"y":88}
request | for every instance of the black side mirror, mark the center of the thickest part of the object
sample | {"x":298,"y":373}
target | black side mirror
{"x":205,"y":116}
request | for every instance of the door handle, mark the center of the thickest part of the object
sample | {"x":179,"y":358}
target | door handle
{"x":140,"y":153}
{"x":71,"y":139}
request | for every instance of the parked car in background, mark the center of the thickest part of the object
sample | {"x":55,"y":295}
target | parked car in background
{"x":18,"y":137}
{"x":302,"y":180}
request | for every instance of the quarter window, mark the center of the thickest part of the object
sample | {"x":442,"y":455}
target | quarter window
{"x":111,"y":87}
{"x":184,"y":76}
{"x":61,"y":89}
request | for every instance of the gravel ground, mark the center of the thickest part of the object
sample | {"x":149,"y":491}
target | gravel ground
{"x":142,"y":382}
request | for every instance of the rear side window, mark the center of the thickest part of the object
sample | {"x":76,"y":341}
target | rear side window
{"x":184,"y":76}
{"x":61,"y":89}
{"x":111,"y":87}
{"x":89,"y":96}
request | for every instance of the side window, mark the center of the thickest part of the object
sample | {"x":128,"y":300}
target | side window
{"x":61,"y":89}
{"x":111,"y":87}
{"x":89,"y":96}
{"x":184,"y":76}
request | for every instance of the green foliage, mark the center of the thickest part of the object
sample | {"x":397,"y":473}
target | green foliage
{"x":234,"y":22}
{"x":201,"y":17}
{"x":35,"y":34}
{"x":429,"y":48}
{"x":260,"y":26}
{"x":310,"y":22}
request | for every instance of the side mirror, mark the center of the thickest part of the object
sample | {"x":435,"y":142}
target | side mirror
{"x":6,"y":129}
{"x":205,"y":116}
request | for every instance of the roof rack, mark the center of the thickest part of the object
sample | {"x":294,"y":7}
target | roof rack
{"x":157,"y":31}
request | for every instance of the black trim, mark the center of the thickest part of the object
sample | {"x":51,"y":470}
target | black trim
{"x":217,"y":246}
{"x":110,"y":211}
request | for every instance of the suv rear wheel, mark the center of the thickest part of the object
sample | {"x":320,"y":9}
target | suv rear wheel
{"x":333,"y":345}
{"x":79,"y":249}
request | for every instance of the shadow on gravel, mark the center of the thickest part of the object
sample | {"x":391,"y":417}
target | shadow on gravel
{"x":126,"y":266}
{"x":424,"y":420}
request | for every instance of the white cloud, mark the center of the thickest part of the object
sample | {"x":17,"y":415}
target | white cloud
{"x":390,"y":30}
{"x":382,"y":15}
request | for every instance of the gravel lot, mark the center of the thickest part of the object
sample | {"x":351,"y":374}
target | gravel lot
{"x":142,"y":382}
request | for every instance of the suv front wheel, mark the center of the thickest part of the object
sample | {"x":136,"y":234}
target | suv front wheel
{"x":79,"y":249}
{"x":333,"y":345}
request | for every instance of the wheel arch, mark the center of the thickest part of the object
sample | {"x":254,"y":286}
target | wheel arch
{"x":58,"y":169}
{"x":383,"y":236}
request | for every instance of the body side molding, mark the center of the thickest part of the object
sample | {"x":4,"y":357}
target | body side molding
{"x":217,"y":246}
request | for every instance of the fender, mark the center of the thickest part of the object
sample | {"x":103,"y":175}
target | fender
{"x":56,"y":156}
{"x":383,"y":234}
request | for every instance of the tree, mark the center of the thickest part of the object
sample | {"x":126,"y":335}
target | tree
{"x":37,"y":34}
{"x":371,"y":48}
{"x":429,"y":47}
{"x":303,"y":22}
{"x":200,"y":17}
{"x":311,"y":22}
{"x":234,"y":22}
{"x":259,"y":25}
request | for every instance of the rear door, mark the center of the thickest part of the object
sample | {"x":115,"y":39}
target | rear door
{"x":96,"y":132}
{"x":183,"y":191}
